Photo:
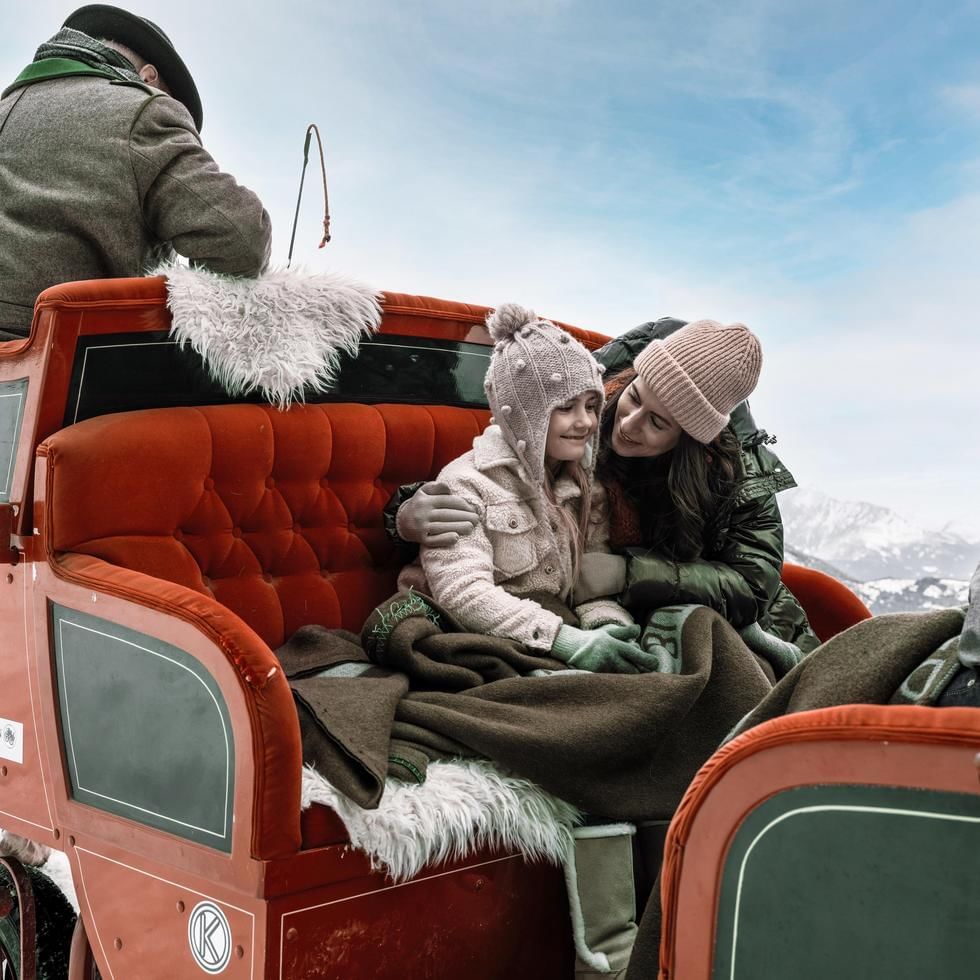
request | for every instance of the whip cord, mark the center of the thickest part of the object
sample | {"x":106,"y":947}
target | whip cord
{"x":311,"y":130}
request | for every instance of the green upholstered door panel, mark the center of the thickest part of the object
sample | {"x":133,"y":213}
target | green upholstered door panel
{"x":13,"y":394}
{"x":852,"y":881}
{"x":146,"y":730}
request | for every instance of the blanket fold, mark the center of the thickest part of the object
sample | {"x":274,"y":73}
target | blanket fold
{"x":622,"y":747}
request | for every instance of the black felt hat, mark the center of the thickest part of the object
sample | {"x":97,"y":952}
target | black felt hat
{"x":99,"y":20}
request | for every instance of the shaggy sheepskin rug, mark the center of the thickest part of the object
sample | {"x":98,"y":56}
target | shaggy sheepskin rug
{"x":461,"y":807}
{"x":277,"y":334}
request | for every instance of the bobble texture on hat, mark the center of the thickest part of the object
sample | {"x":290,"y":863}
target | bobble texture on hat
{"x":701,"y":372}
{"x":535,"y":367}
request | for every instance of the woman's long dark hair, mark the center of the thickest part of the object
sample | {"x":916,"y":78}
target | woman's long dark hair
{"x":677,"y":495}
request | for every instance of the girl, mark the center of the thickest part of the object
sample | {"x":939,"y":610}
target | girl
{"x":528,"y":480}
{"x":691,"y":490}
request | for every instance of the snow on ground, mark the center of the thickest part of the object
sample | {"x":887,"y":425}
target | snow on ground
{"x":57,"y":869}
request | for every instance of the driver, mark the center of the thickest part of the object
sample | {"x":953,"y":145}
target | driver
{"x":102,"y":171}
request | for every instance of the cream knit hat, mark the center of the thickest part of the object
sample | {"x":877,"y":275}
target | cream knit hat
{"x":701,"y":372}
{"x":535,"y":367}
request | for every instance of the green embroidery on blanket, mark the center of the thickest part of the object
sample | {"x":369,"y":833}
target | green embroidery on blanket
{"x":417,"y":773}
{"x":398,"y":610}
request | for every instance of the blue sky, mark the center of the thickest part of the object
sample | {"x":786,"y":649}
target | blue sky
{"x":808,"y":168}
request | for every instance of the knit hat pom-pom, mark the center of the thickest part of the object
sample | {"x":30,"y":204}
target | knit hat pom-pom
{"x":506,"y":320}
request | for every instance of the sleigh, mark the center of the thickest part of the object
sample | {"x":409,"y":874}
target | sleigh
{"x":165,"y":538}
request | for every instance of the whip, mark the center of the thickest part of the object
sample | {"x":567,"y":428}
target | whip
{"x":310,"y":131}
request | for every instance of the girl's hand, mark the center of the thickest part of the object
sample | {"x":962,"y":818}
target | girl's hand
{"x":434,"y":517}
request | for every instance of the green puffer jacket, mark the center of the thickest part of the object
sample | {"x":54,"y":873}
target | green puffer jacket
{"x":739,"y":575}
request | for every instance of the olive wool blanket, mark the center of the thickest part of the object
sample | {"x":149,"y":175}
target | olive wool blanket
{"x":414,"y":688}
{"x":902,"y":658}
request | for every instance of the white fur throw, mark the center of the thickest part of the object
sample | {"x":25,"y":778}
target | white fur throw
{"x":461,"y":807}
{"x":275,"y":334}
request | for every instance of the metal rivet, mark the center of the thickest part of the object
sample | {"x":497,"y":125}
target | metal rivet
{"x":291,"y":935}
{"x":117,"y":942}
{"x":57,"y":834}
{"x":556,"y":376}
{"x":548,"y":569}
{"x":240,"y":951}
{"x":71,"y":840}
{"x":180,"y":906}
{"x":3,"y":770}
{"x":10,"y":578}
{"x":513,"y":522}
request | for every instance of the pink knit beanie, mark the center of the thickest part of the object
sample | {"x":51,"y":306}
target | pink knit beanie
{"x":701,"y":372}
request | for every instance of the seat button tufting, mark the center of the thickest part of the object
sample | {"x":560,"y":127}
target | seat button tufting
{"x":208,"y":483}
{"x":266,"y":577}
{"x":297,"y":528}
{"x":178,"y":535}
{"x":236,"y":532}
{"x":270,"y":483}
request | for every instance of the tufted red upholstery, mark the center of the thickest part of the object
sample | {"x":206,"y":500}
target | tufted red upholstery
{"x":276,"y":515}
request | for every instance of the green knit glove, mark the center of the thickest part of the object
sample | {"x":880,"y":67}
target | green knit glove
{"x":610,"y":649}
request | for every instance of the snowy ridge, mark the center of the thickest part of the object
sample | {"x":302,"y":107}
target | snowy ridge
{"x":891,"y":595}
{"x":866,"y":542}
{"x":890,"y":562}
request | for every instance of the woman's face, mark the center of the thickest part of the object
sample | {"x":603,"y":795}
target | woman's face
{"x":571,"y":428}
{"x":642,"y":426}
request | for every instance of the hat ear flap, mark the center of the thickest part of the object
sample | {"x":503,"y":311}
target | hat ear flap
{"x":507,"y":319}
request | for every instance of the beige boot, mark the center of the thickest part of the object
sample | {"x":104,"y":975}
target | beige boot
{"x":602,"y":900}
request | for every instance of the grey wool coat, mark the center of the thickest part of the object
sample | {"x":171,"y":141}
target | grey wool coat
{"x":98,"y":179}
{"x":520,"y":549}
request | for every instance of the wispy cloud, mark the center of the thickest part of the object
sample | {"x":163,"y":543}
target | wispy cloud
{"x":807,"y":168}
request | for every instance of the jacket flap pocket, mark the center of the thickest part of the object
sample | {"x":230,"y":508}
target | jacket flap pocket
{"x":510,"y":517}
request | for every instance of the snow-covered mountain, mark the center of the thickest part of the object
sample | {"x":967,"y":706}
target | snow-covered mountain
{"x":888,"y":595}
{"x":868,"y":542}
{"x":894,"y":565}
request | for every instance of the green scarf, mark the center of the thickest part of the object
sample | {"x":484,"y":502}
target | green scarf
{"x":70,"y":53}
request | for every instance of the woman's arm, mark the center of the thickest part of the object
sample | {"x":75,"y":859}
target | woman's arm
{"x":739,"y":581}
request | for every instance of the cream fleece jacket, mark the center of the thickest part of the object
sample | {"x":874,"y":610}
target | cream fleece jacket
{"x":520,"y":547}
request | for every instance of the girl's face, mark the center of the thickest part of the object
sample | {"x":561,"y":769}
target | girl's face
{"x":642,"y":426}
{"x":571,"y":428}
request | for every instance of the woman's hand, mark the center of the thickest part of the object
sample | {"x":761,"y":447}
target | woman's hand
{"x":434,"y":517}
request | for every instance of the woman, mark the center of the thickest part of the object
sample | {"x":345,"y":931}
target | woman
{"x":691,"y":487}
{"x":528,"y":477}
